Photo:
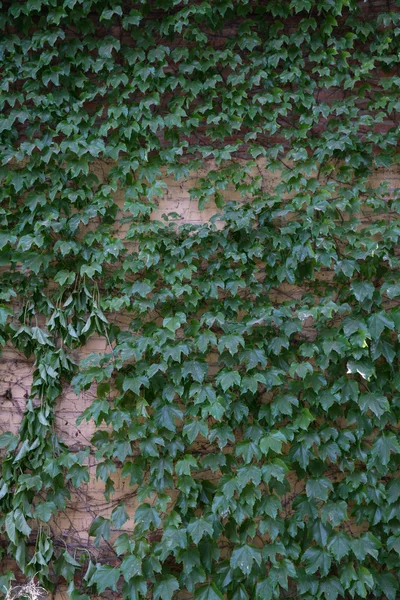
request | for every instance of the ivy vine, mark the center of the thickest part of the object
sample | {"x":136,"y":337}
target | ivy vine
{"x":252,"y":401}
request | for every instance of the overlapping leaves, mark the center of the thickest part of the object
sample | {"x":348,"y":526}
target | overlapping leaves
{"x":251,"y":398}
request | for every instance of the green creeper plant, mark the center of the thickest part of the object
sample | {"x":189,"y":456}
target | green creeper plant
{"x":252,"y":401}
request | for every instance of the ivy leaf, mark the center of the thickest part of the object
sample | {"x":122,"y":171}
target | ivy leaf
{"x":195,"y":428}
{"x":119,"y":516}
{"x":184,"y":466}
{"x":228,"y":379}
{"x":20,"y":522}
{"x":105,"y":577}
{"x":363,"y":368}
{"x":208,"y":592}
{"x":393,"y":491}
{"x":8,"y":440}
{"x":78,"y":474}
{"x":318,"y":488}
{"x":365,"y":582}
{"x":393,"y":543}
{"x":165,"y":588}
{"x":65,"y":277}
{"x":377,"y":323}
{"x":141,"y":288}
{"x":335,"y":512}
{"x":389,"y":585}
{"x":100,"y":528}
{"x":393,"y":291}
{"x":135,"y":588}
{"x":131,"y":567}
{"x":339,"y":545}
{"x":199,"y":528}
{"x":320,"y":531}
{"x":375,"y":402}
{"x":42,"y":337}
{"x":382,"y":448}
{"x":231,"y":342}
{"x":173,"y":323}
{"x":135,"y":384}
{"x":243,"y":558}
{"x":362,"y":290}
{"x":264,"y":590}
{"x":365,"y":544}
{"x":11,"y":529}
{"x":273,"y":441}
{"x":283,"y":404}
{"x":317,"y":559}
{"x":166,"y":415}
{"x":331,"y":588}
{"x":197,"y":370}
{"x":147,"y":515}
{"x":44,"y":511}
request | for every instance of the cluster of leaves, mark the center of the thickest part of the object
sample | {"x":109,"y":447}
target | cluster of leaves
{"x":253,"y":402}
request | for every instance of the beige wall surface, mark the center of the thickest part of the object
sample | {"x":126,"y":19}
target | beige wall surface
{"x":72,"y":524}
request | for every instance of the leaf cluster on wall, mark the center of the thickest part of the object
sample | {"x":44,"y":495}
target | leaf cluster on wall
{"x":253,"y":402}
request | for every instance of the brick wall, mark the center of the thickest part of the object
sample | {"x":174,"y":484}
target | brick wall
{"x":15,"y":375}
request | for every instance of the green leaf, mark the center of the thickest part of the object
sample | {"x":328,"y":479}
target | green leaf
{"x":78,"y":474}
{"x":184,"y":466}
{"x":231,"y":342}
{"x":335,"y":512}
{"x":105,"y":577}
{"x":197,"y":370}
{"x":273,"y":441}
{"x":195,"y":428}
{"x":42,"y":337}
{"x":131,"y":567}
{"x":393,"y":491}
{"x":166,"y":415}
{"x":264,"y":590}
{"x":377,"y":323}
{"x":339,"y":545}
{"x":362,"y":290}
{"x":389,"y":585}
{"x":208,"y":592}
{"x":365,"y":582}
{"x":228,"y":379}
{"x":331,"y":588}
{"x":382,"y":448}
{"x":173,"y":323}
{"x":244,"y":557}
{"x":283,"y":405}
{"x":363,"y":368}
{"x":147,"y":515}
{"x":100,"y":528}
{"x":317,"y":559}
{"x":199,"y":528}
{"x":318,"y":488}
{"x":375,"y":402}
{"x":20,"y":522}
{"x":142,"y":289}
{"x":11,"y":529}
{"x":44,"y":511}
{"x":119,"y":516}
{"x":365,"y":544}
{"x":165,"y":588}
{"x":65,"y":277}
{"x":393,"y":291}
{"x":135,"y":384}
{"x":8,"y":440}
